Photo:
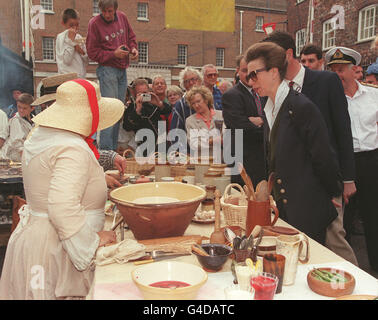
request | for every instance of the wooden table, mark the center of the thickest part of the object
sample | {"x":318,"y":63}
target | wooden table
{"x":119,"y":273}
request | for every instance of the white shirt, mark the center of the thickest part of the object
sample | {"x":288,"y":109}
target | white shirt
{"x":363,"y":112}
{"x":67,"y":58}
{"x":298,"y":79}
{"x":19,"y":129}
{"x":4,"y":128}
{"x":272,"y":108}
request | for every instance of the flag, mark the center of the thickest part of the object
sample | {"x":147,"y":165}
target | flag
{"x":203,"y":15}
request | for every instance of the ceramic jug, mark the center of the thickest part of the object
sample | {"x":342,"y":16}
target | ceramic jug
{"x":259,"y":213}
{"x":292,"y":248}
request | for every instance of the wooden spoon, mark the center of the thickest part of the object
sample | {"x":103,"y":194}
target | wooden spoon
{"x":262,"y":193}
{"x":217,"y":236}
{"x":198,"y":249}
{"x":247,"y":180}
{"x":270,"y":183}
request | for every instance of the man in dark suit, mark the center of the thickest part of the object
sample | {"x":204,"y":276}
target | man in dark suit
{"x":242,"y":109}
{"x":325,"y":90}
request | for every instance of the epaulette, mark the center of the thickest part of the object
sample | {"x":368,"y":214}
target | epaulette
{"x":369,"y":85}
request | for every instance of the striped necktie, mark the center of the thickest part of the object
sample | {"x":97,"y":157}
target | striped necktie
{"x":258,"y":103}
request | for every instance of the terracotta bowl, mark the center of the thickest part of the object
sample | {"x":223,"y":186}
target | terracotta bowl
{"x":150,"y":273}
{"x":158,"y":209}
{"x":267,"y":245}
{"x":214,"y":262}
{"x":330,"y":289}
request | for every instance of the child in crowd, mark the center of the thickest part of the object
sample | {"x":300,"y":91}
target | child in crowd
{"x":19,"y":128}
{"x":71,"y":54}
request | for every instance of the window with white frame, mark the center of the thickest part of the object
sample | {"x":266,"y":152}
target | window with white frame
{"x":329,"y":34}
{"x":300,"y":40}
{"x":142,"y":11}
{"x":143,"y":52}
{"x":48,"y":49}
{"x":259,"y":23}
{"x":182,"y":54}
{"x":366,"y":23}
{"x":96,"y":9}
{"x":219,"y":57}
{"x":47,"y":5}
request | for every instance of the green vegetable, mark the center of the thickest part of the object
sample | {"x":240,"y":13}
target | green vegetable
{"x":327,"y":276}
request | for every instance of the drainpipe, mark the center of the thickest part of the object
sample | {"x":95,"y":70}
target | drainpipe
{"x":22,"y":25}
{"x":27,"y":30}
{"x":241,"y":32}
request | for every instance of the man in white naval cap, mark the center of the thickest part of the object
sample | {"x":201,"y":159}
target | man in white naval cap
{"x":363,"y":112}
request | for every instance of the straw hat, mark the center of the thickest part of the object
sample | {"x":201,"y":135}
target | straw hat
{"x":50,"y":85}
{"x":71,"y":111}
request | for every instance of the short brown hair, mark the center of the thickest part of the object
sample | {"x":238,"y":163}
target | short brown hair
{"x":104,"y":4}
{"x":139,"y":81}
{"x":312,"y":49}
{"x":69,"y":14}
{"x":271,"y":54}
{"x":204,"y":92}
{"x":25,"y":98}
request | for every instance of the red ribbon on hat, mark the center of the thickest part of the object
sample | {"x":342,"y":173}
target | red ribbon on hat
{"x":91,"y":93}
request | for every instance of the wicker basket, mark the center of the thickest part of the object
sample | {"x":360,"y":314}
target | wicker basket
{"x":234,"y":206}
{"x":138,"y":165}
{"x":178,"y":163}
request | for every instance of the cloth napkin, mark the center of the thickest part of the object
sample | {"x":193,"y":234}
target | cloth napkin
{"x":120,"y":252}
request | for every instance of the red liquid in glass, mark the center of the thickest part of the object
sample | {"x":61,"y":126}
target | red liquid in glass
{"x":169,"y":284}
{"x":264,"y":287}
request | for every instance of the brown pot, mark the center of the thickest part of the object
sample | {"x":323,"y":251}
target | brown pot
{"x":158,"y":219}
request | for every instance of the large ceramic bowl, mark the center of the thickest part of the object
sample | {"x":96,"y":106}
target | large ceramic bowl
{"x":169,"y":271}
{"x":158,"y":209}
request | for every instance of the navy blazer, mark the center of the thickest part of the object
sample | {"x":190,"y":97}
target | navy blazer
{"x":307,"y":174}
{"x":239,"y":104}
{"x":325,"y":90}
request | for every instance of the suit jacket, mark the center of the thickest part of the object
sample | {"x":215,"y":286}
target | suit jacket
{"x":325,"y":90}
{"x":307,"y":173}
{"x":238,"y":104}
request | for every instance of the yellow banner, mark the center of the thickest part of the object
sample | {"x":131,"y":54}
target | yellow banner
{"x":204,"y":15}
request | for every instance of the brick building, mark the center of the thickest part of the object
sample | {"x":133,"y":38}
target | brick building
{"x":162,"y":51}
{"x":347,"y":23}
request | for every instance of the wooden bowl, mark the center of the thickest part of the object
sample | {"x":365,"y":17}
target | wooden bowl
{"x":332,"y":289}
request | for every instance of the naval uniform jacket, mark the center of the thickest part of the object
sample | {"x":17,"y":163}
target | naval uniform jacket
{"x":306,"y":170}
{"x":325,"y":90}
{"x":239,"y":104}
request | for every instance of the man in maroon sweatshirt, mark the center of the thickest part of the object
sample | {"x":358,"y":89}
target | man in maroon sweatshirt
{"x":110,"y":42}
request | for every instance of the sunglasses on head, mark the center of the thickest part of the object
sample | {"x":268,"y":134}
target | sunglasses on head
{"x":253,"y":74}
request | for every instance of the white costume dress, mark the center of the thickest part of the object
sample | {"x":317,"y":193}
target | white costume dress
{"x":51,"y":253}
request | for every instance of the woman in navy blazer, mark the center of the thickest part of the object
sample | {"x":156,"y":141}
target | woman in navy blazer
{"x":307,"y":175}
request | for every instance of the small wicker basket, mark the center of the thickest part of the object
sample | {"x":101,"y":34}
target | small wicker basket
{"x":178,"y":163}
{"x":234,"y":206}
{"x":138,"y":165}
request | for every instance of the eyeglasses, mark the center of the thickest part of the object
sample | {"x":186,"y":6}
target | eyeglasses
{"x":253,"y":74}
{"x":190,"y":80}
{"x":212,"y":75}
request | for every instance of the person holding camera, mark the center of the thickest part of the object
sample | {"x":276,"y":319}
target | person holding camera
{"x":146,"y":111}
{"x":111,"y":42}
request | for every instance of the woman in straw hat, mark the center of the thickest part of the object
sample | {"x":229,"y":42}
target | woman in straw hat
{"x":51,"y":253}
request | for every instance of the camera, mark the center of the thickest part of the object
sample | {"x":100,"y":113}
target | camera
{"x":146,"y":97}
{"x":124,"y":48}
